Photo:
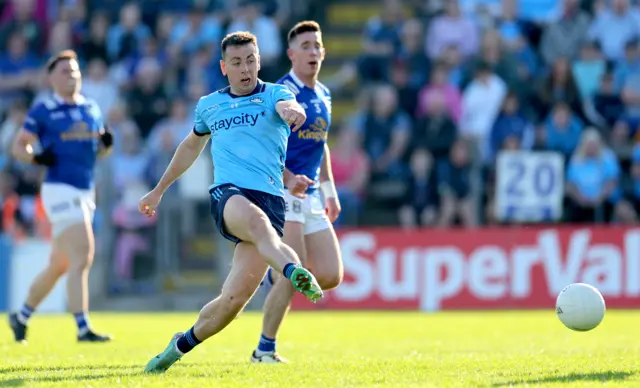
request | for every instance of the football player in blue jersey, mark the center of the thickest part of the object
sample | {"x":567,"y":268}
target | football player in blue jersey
{"x":308,"y":228}
{"x":71,"y":133}
{"x":248,"y":124}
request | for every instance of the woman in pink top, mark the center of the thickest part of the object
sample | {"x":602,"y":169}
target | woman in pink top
{"x":438,"y":86}
{"x":350,"y":168}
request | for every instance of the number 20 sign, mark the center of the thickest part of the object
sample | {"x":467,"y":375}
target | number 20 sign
{"x":529,"y":186}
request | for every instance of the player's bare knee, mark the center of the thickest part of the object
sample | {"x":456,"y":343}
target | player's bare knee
{"x":59,"y":267}
{"x":334,"y":281}
{"x":329,"y":280}
{"x":76,"y":242}
{"x":79,"y":266}
{"x":80,"y":260}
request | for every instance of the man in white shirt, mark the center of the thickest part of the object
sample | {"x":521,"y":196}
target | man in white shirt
{"x":481,"y":103}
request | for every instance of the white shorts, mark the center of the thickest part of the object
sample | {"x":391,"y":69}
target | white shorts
{"x":66,"y":205}
{"x":307,"y":211}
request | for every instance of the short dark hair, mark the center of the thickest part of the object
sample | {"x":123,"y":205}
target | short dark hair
{"x":301,"y":28}
{"x":239,"y":38}
{"x":65,"y":55}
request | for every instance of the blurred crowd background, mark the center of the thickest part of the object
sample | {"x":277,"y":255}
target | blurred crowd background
{"x":425,"y":95}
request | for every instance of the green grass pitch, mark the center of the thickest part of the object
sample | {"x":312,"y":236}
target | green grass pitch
{"x":327,"y":349}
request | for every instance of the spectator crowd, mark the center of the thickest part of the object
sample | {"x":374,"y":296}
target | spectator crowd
{"x":446,"y":85}
{"x":442,"y":86}
{"x":145,"y":63}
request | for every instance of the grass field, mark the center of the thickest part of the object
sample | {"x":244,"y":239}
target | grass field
{"x":470,"y":349}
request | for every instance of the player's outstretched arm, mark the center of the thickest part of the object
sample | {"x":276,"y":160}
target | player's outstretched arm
{"x":186,"y":153}
{"x":292,"y":113}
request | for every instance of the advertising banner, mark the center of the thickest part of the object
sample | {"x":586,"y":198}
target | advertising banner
{"x":502,"y":268}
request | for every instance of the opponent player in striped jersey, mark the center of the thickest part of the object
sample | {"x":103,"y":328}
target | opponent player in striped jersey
{"x":72,"y":134}
{"x":308,"y":228}
{"x":248,"y":124}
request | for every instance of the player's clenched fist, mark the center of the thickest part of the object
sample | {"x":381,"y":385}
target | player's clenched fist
{"x":149,"y":203}
{"x":298,"y":185}
{"x":294,"y":115}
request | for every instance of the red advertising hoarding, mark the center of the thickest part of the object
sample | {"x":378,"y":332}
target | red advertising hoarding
{"x":431,"y":270}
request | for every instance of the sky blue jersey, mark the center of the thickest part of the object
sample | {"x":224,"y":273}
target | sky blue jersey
{"x":248,"y":137}
{"x":306,"y":146}
{"x":72,"y":131}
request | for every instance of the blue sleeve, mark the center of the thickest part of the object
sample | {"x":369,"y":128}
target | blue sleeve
{"x":33,"y":121}
{"x":572,"y":172}
{"x":612,"y":168}
{"x":200,"y":127}
{"x":281,"y":93}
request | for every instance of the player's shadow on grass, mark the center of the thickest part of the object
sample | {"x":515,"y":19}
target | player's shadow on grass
{"x":19,"y":382}
{"x":84,"y":375}
{"x":571,"y":377}
{"x":12,"y":383}
{"x":60,"y":368}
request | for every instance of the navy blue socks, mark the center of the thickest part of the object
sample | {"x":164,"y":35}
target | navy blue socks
{"x":266,"y":344}
{"x":82,"y":321}
{"x":288,"y":269}
{"x":187,"y":342}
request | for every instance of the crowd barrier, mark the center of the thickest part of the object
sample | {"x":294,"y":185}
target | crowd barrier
{"x":20,"y":262}
{"x":501,"y":268}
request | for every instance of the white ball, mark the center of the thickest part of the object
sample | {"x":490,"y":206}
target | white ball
{"x":580,"y":307}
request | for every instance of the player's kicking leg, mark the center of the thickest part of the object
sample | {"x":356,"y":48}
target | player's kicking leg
{"x":72,"y":253}
{"x":243,"y":221}
{"x":319,"y":250}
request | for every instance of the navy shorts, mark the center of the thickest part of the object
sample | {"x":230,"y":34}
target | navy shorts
{"x":271,"y":205}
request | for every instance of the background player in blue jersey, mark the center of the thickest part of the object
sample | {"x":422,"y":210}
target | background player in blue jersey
{"x":248,"y":123}
{"x":70,"y":131}
{"x":308,"y":228}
